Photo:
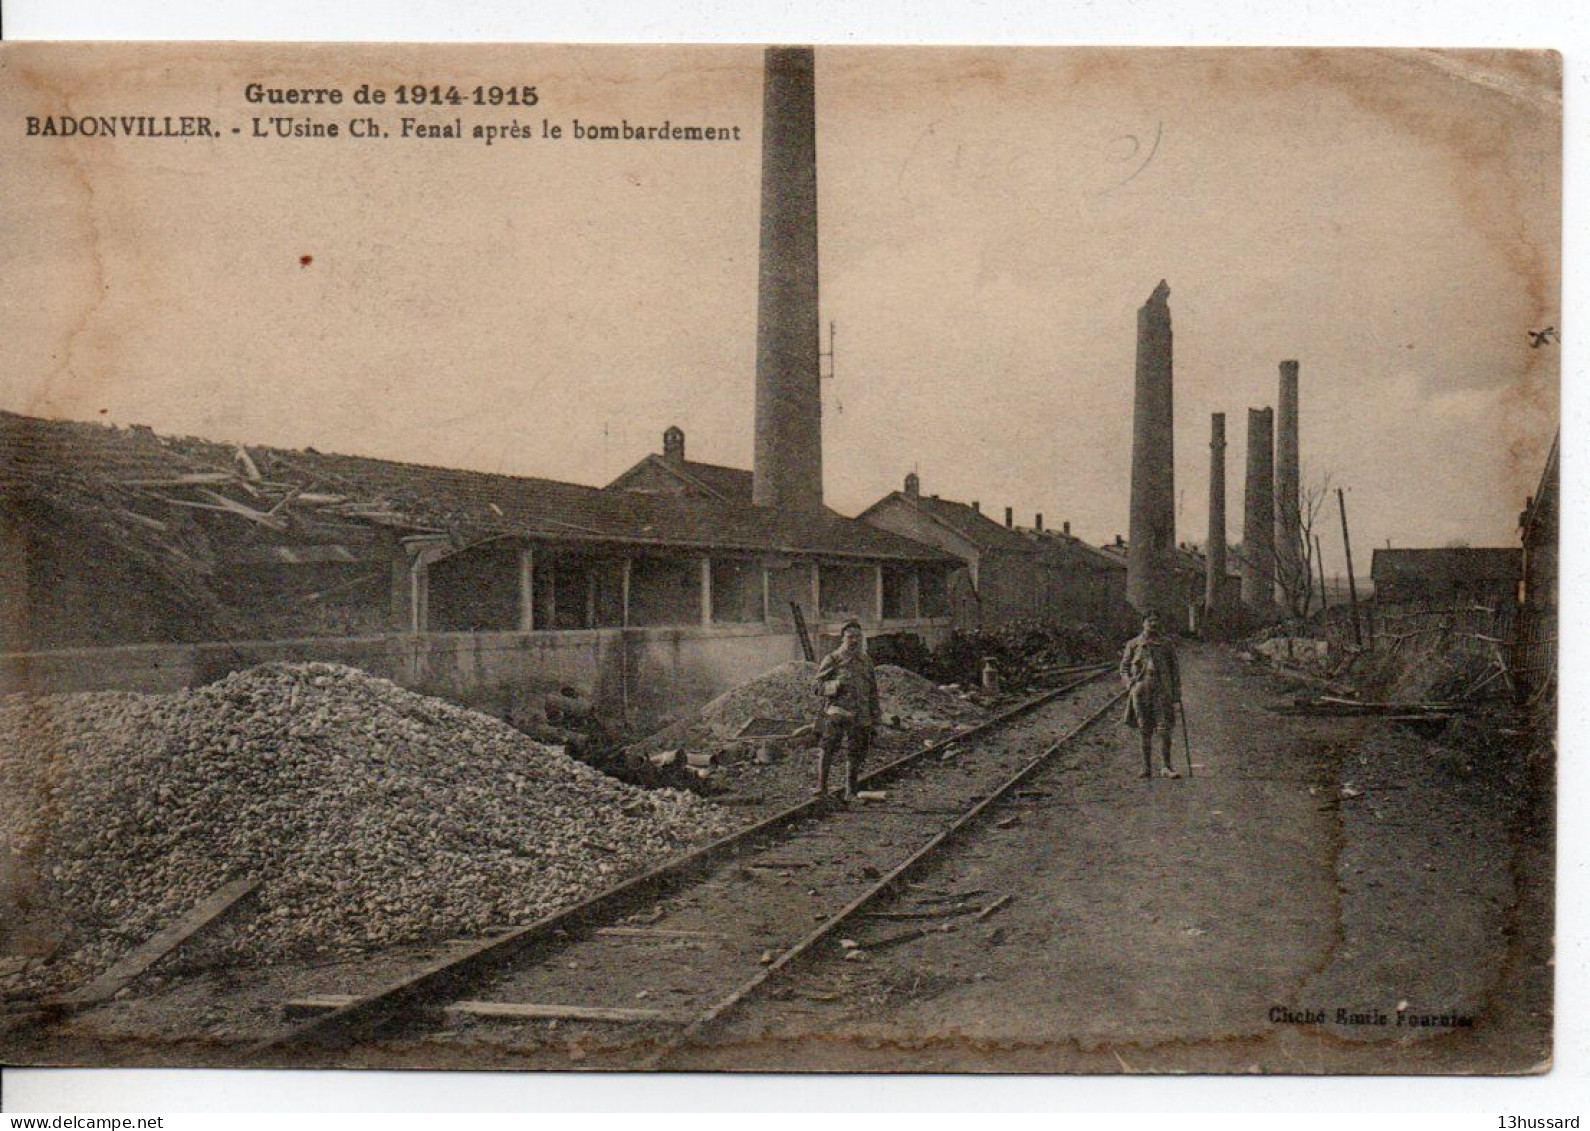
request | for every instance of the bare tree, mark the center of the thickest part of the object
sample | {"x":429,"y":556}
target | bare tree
{"x":1294,"y":571}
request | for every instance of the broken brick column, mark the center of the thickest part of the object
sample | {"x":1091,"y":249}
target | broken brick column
{"x":1150,"y":559}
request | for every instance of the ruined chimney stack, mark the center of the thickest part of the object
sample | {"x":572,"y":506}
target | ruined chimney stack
{"x":1065,"y":528}
{"x":788,"y":466}
{"x":1150,"y":576}
{"x":1037,"y":522}
{"x":1010,"y":518}
{"x":1258,"y":515}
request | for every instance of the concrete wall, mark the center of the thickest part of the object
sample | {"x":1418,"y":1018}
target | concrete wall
{"x":644,"y":675}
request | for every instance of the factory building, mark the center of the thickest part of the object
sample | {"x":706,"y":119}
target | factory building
{"x":1081,"y":583}
{"x":120,"y":544}
{"x":1182,"y":590}
{"x":1006,"y":580}
{"x":1448,"y":577}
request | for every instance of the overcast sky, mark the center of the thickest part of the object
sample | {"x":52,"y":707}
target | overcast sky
{"x":990,"y":223}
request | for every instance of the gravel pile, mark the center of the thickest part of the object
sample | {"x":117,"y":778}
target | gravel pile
{"x":918,"y":701}
{"x":372,"y":815}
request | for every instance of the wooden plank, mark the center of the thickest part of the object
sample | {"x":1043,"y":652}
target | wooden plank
{"x":908,"y":936}
{"x":246,"y":462}
{"x":660,"y":933}
{"x":314,"y":1005}
{"x":925,"y":913}
{"x":201,"y":915}
{"x":232,"y":506}
{"x":525,"y":1011}
{"x":800,"y":630}
{"x":325,"y":1003}
{"x":190,"y":480}
{"x":145,"y":520}
{"x":994,"y":907}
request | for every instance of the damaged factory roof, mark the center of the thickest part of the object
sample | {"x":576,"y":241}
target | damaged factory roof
{"x":277,"y":488}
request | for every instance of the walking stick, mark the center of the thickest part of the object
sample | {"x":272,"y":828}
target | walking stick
{"x":1186,"y":743}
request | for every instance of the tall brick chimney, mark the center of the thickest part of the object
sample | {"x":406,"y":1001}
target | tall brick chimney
{"x":1215,"y":548}
{"x":1258,"y":515}
{"x":1150,"y":555}
{"x":1289,"y":566}
{"x":788,"y":468}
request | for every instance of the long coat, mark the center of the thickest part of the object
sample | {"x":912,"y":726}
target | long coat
{"x":1153,"y":679}
{"x":856,"y":696}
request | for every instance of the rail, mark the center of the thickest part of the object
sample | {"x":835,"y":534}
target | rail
{"x":741,"y":993}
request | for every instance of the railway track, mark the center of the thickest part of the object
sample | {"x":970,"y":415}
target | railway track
{"x":716,"y":924}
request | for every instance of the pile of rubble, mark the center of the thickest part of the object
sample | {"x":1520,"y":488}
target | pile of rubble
{"x":1025,"y":653}
{"x":780,"y":711}
{"x":370,"y":815}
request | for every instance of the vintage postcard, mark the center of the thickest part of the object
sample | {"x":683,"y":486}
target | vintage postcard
{"x":778,"y":558}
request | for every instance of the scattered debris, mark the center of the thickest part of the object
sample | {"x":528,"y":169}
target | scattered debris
{"x":995,"y":907}
{"x":925,"y":913}
{"x":781,"y":707}
{"x":501,"y":1010}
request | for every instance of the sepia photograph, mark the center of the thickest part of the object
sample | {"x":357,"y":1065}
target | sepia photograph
{"x":774,"y":558}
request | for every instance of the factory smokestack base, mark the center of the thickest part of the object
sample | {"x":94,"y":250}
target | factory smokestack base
{"x":1150,"y":559}
{"x":1291,"y":569}
{"x":788,"y":468}
{"x":1258,"y":517}
{"x":1215,"y":548}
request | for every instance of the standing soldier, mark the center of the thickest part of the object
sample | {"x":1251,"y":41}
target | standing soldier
{"x":849,"y":688}
{"x":1153,"y":690}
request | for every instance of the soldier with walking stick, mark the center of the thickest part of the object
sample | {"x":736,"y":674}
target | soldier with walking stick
{"x":1153,"y":691}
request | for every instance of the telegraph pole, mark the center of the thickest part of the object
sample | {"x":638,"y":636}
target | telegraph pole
{"x":1352,"y":583}
{"x":1319,"y":564}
